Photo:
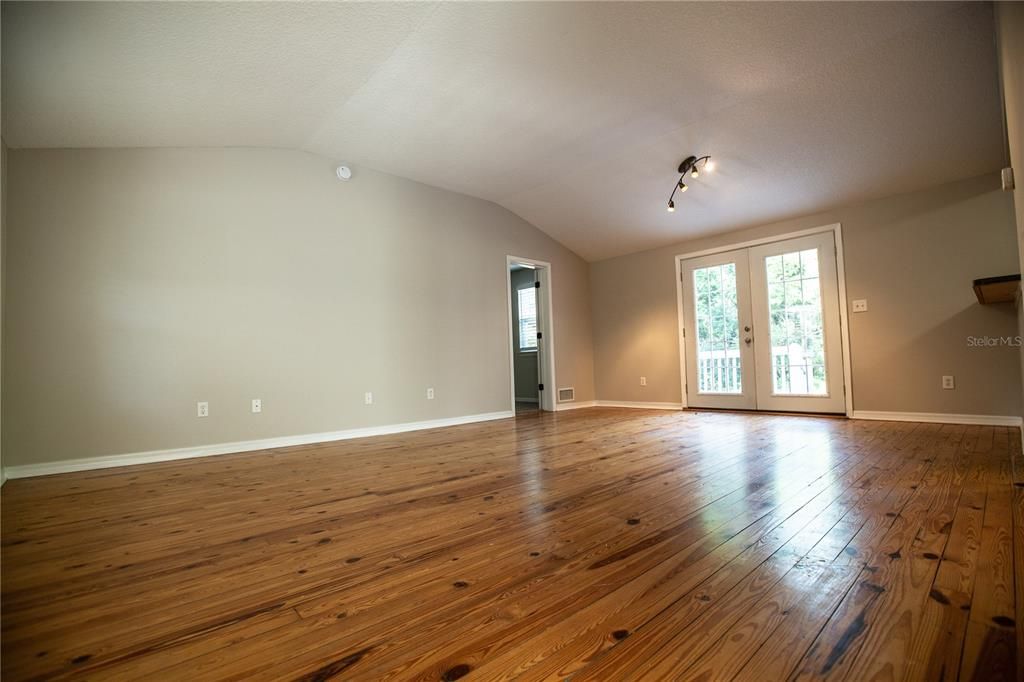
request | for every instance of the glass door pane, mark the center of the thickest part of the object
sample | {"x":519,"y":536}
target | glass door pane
{"x":716,"y":316}
{"x":796,"y":330}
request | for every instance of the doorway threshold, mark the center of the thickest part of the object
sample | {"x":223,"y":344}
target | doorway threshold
{"x":777,"y":413}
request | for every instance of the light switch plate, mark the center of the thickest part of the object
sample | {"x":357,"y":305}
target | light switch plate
{"x":860,"y":305}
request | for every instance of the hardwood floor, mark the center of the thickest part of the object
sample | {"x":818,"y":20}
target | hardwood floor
{"x":598,"y":544}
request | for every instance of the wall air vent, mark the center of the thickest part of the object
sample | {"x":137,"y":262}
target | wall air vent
{"x":566,"y":395}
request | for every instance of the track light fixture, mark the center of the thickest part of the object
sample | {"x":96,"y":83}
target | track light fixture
{"x":692,"y":165}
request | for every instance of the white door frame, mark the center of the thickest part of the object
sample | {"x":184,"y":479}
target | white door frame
{"x":746,"y":399}
{"x":546,"y":317}
{"x":844,"y":316}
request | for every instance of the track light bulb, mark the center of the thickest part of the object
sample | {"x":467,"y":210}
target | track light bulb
{"x":691,"y":165}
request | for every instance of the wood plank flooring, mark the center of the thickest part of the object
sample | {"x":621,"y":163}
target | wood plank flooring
{"x":597,"y":544}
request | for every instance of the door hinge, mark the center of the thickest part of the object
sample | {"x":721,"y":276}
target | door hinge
{"x":540,"y":387}
{"x":536,"y":285}
{"x":684,"y":332}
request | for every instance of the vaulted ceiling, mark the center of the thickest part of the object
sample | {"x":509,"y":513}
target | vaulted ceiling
{"x":572,"y":115}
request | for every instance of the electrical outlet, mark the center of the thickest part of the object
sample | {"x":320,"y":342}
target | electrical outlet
{"x":368,"y":398}
{"x":430,"y":394}
{"x":948,"y":383}
{"x":643,"y":381}
{"x":257,"y":405}
{"x":203,"y":409}
{"x":860,"y":305}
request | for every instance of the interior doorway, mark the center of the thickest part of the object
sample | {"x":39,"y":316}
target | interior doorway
{"x":762,"y":326}
{"x":530,"y":335}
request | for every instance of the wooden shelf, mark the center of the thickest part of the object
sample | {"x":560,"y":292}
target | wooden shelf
{"x":997,"y":289}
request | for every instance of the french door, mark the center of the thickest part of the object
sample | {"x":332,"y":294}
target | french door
{"x":761,"y":327}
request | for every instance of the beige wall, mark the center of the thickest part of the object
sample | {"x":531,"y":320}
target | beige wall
{"x":1010,"y":35}
{"x":3,"y":277}
{"x":912,"y":256}
{"x":142,"y":281}
{"x":524,"y":364}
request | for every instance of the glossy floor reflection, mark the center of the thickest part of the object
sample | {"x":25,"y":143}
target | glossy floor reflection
{"x":601,"y":544}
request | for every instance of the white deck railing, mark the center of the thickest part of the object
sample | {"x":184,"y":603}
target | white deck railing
{"x":718,"y":371}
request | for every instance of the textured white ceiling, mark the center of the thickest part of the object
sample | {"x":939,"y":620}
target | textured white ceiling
{"x":572,"y":115}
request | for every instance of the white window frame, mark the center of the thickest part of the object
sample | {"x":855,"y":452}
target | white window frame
{"x":519,"y":318}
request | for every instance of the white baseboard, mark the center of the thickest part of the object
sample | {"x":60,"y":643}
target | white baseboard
{"x":640,"y":405}
{"x":559,"y":407}
{"x":87,"y":463}
{"x":939,"y":418}
{"x":616,"y":403}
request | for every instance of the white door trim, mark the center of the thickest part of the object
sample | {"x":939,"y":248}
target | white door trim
{"x":844,"y":316}
{"x":546,"y":350}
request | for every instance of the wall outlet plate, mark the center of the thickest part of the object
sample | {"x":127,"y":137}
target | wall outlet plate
{"x":203,"y":409}
{"x":860,"y":305}
{"x":257,"y":405}
{"x":368,"y":398}
{"x":948,"y":382}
